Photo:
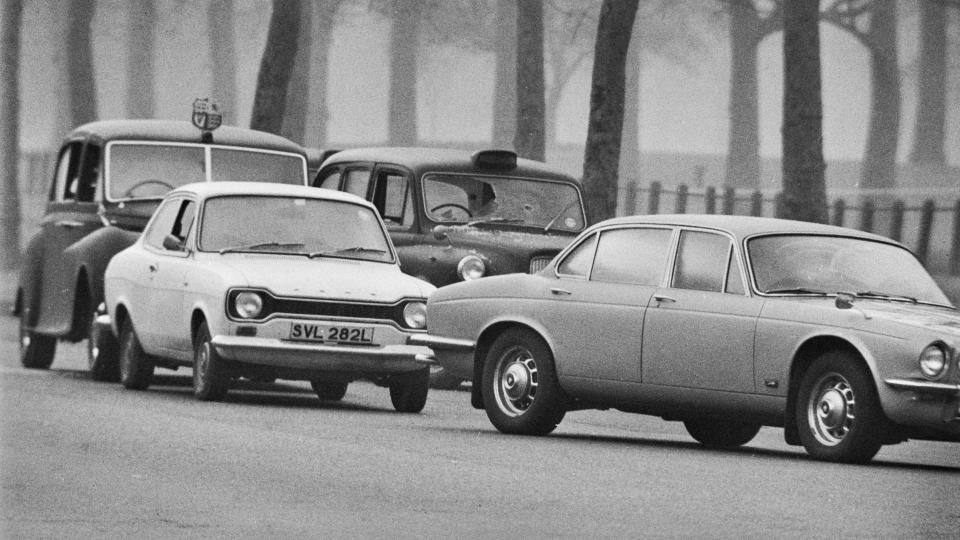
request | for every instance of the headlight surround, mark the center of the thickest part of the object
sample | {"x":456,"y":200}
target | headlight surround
{"x":933,"y":361}
{"x":248,"y":304}
{"x":471,"y":267}
{"x":415,"y":315}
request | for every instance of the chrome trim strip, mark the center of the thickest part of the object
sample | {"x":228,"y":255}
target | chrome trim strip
{"x":924,"y":386}
{"x":441,"y":343}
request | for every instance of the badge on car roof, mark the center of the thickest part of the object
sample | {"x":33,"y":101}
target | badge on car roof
{"x":206,"y":114}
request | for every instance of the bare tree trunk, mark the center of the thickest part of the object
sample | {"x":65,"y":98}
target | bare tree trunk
{"x":529,"y":139}
{"x":276,"y":66}
{"x":298,"y":94}
{"x":602,"y":155}
{"x":12,"y":17}
{"x":743,"y":153}
{"x":630,"y":152}
{"x":928,"y":132}
{"x":804,"y":187}
{"x":405,"y":39}
{"x":880,"y":159}
{"x":83,"y":91}
{"x":141,"y":88}
{"x":505,"y":85}
{"x":323,"y":24}
{"x":223,"y":57}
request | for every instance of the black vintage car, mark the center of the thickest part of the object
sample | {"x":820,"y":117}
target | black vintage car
{"x":109,"y":178}
{"x":455,"y":215}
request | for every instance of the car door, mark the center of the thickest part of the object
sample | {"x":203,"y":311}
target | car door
{"x":71,"y":215}
{"x":699,"y":331}
{"x":162,"y":327}
{"x":598,"y":301}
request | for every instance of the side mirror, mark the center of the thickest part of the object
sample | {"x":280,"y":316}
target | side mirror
{"x":844,"y":300}
{"x":172,"y":243}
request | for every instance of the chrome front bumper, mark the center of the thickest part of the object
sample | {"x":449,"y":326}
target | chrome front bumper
{"x":314,"y":356}
{"x":439,"y":343}
{"x":930,"y":387}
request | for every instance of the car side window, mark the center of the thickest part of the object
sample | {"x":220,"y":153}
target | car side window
{"x":634,"y":255}
{"x":89,"y":176}
{"x":65,"y":177}
{"x":331,"y":180}
{"x":734,"y":280}
{"x":578,"y":261}
{"x":391,"y":196}
{"x":357,"y":181}
{"x":164,"y":221}
{"x":702,"y":261}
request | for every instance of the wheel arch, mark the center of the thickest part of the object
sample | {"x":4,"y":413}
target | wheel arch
{"x":83,"y":305}
{"x":806,"y":353}
{"x":197,"y":317}
{"x":120,"y":316}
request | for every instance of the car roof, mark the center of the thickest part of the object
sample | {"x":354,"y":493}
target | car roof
{"x":421,"y":159}
{"x":743,"y":226}
{"x":205,"y":190}
{"x":182,"y":131}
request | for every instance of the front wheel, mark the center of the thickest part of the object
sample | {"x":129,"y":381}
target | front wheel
{"x":408,"y":392}
{"x":838,"y":412}
{"x":520,"y":389}
{"x":103,"y":352}
{"x":211,"y":381}
{"x":36,"y":350}
{"x":136,"y":368}
{"x":721,"y":433}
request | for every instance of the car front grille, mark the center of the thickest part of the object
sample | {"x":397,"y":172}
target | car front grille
{"x":317,"y":308}
{"x":539,"y":263}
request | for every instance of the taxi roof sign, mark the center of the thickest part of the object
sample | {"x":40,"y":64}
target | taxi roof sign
{"x":206,"y":114}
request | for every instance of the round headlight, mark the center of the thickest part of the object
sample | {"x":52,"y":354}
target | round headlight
{"x":471,"y":267}
{"x":415,"y":315}
{"x":248,"y":304}
{"x":933,"y":361}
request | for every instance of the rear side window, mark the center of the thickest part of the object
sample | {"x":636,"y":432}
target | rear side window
{"x":356,"y":182}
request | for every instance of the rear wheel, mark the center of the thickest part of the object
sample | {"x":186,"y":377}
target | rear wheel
{"x":136,"y":368}
{"x":36,"y":350}
{"x":329,"y":391}
{"x":103,"y":352}
{"x":520,"y":389}
{"x":721,"y":433}
{"x":838,"y":412}
{"x":408,"y":392}
{"x":211,"y":380}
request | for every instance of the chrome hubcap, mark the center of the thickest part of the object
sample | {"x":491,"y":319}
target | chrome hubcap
{"x":516,"y":381}
{"x":831,"y":411}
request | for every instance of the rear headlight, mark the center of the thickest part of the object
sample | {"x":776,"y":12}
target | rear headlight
{"x":471,"y":267}
{"x":248,"y":304}
{"x":415,"y":315}
{"x":933,"y":361}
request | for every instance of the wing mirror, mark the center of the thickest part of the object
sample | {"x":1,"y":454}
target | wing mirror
{"x":172,"y":243}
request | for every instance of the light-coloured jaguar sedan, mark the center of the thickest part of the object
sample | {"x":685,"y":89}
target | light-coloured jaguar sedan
{"x":724,"y":323}
{"x":267,"y":281}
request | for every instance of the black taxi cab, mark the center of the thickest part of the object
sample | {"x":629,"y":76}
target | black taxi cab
{"x":109,"y":178}
{"x":456,"y":215}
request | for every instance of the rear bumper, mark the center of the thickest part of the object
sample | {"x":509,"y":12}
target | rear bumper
{"x":271,"y":352}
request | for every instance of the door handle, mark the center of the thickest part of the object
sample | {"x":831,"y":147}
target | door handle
{"x":69,"y":224}
{"x":560,"y":292}
{"x":153,"y":267}
{"x":662,"y":298}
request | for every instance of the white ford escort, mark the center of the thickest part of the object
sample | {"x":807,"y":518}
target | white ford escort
{"x":266,"y":281}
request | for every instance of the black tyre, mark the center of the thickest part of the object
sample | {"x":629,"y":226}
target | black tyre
{"x":408,"y":392}
{"x":520,"y":389}
{"x":329,"y":391}
{"x":103,"y":353}
{"x":136,"y":368}
{"x":211,"y":379}
{"x":441,"y":379}
{"x":721,"y":433}
{"x":36,"y":350}
{"x":838,"y":412}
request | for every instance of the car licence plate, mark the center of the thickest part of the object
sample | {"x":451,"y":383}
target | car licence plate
{"x":322,"y":333}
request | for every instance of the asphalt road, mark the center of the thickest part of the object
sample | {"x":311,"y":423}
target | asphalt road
{"x":82,"y":459}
